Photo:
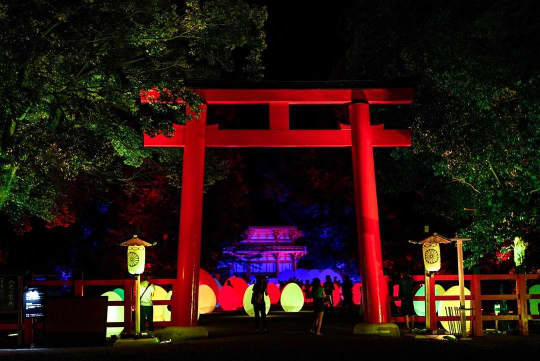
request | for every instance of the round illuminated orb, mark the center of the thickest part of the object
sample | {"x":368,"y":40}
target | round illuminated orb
{"x":292,"y":298}
{"x":420,"y":306}
{"x":228,"y":299}
{"x":239,"y":286}
{"x":248,"y":306}
{"x":336,"y":295}
{"x":357,"y":293}
{"x":120,"y":292}
{"x":451,"y":308}
{"x":114,"y":313}
{"x":206,"y":279}
{"x":207,"y":300}
{"x":273,"y":292}
{"x":533,"y":303}
{"x":160,"y":311}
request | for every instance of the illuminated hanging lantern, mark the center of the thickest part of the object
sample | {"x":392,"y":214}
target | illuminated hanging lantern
{"x":357,"y":293}
{"x":136,"y":261}
{"x":114,"y":313}
{"x":136,"y":254}
{"x":273,"y":292}
{"x":292,"y":298}
{"x":432,"y":256}
{"x":207,"y":300}
{"x":420,"y":306}
{"x":248,"y":306}
{"x":451,"y":308}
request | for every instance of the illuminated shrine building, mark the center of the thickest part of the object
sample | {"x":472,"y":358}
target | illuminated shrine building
{"x":266,"y":250}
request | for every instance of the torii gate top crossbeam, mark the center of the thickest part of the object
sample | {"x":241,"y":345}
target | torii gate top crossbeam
{"x":279,"y":97}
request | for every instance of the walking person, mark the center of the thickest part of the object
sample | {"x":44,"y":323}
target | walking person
{"x":406,"y":295}
{"x":147,"y":308}
{"x":319,"y":300}
{"x":329,"y":290}
{"x":346,"y":290}
{"x":259,"y":305}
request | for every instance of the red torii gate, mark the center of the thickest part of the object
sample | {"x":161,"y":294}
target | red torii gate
{"x":196,"y":136}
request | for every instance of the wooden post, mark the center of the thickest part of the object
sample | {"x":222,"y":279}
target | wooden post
{"x":523,"y":310}
{"x":128,"y":303}
{"x":138,"y":305}
{"x":476,"y":292}
{"x":427,"y":300}
{"x":461,"y":278}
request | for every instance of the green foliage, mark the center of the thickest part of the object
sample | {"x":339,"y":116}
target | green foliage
{"x":476,"y":120}
{"x":71,"y":76}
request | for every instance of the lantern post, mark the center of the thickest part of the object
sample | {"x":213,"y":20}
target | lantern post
{"x":136,"y":261}
{"x":461,"y":277}
{"x":432,"y":263}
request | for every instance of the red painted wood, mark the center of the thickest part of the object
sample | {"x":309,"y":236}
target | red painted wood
{"x":367,"y":216}
{"x":189,"y":247}
{"x":295,"y":96}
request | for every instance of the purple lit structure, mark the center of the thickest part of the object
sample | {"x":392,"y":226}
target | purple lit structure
{"x":266,"y":250}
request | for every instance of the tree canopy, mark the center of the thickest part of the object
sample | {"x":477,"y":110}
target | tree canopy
{"x":71,"y":76}
{"x":476,"y":117}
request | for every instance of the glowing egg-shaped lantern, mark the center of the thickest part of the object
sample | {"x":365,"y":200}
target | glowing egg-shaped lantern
{"x":207,"y":300}
{"x":248,"y":306}
{"x":420,"y":306}
{"x":432,"y":256}
{"x":228,"y":299}
{"x":336,"y":295}
{"x":114,"y":313}
{"x":451,"y":308}
{"x":160,"y":311}
{"x":285,"y":276}
{"x":239,"y":286}
{"x":273,"y":292}
{"x":357,"y":293}
{"x":292,"y":298}
{"x":120,"y":292}
{"x":206,"y":279}
{"x":330,"y":272}
{"x":533,"y":303}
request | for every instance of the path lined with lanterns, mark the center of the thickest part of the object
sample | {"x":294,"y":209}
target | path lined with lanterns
{"x":524,"y":290}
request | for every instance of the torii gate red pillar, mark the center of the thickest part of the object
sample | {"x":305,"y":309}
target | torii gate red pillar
{"x":191,"y":203}
{"x":374,"y":286}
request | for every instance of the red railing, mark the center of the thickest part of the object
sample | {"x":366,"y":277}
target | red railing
{"x":473,"y":283}
{"x":477,"y":316}
{"x":128,"y":285}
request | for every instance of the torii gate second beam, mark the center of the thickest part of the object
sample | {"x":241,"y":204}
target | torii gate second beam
{"x":196,"y":136}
